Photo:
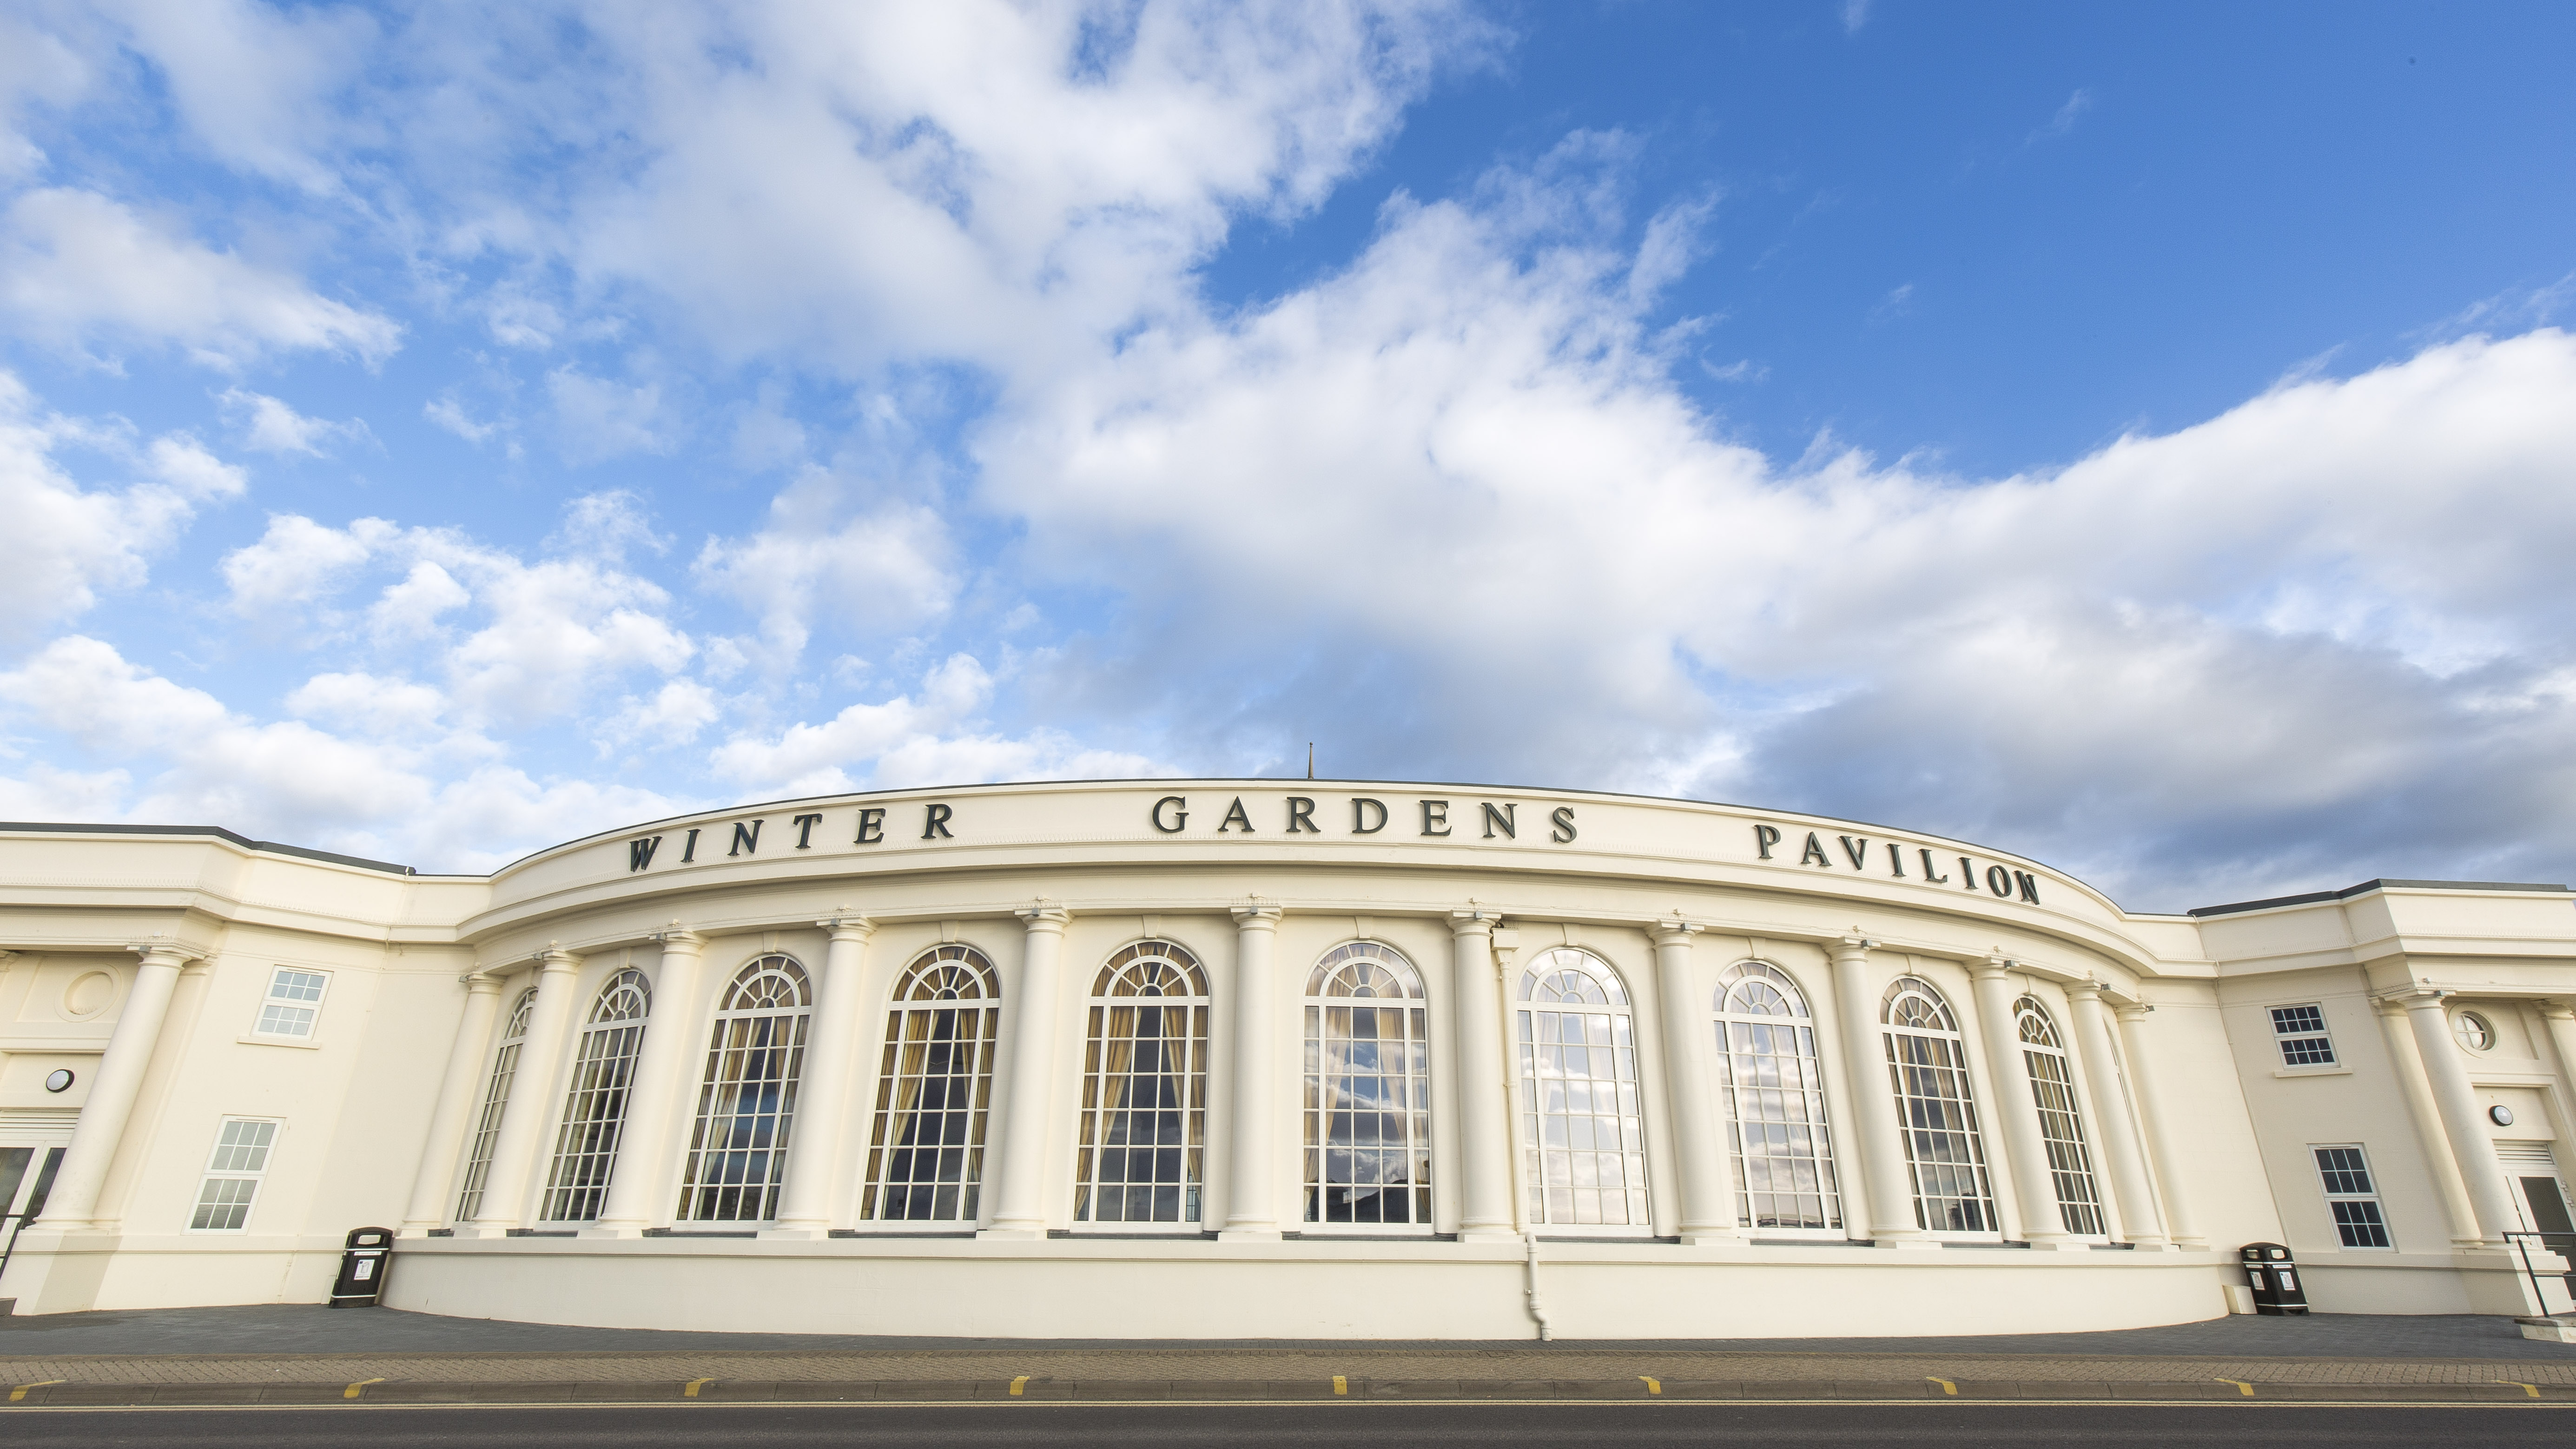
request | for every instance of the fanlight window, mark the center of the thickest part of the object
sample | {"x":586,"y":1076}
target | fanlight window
{"x":934,"y":1089}
{"x":1775,"y":1103}
{"x":1144,"y":1090}
{"x":1368,"y":1090}
{"x":496,"y":1099}
{"x":1927,"y":1067}
{"x":1582,"y":1137}
{"x":594,"y":1115}
{"x":747,"y":1097}
{"x":2061,"y":1122}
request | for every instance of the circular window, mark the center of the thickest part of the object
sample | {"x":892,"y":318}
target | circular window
{"x":59,"y":1080}
{"x":2474,"y":1031}
{"x":88,"y":995}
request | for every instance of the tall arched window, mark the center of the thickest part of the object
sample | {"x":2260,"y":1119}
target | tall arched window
{"x":2061,"y":1124}
{"x":1583,"y":1139}
{"x":1927,"y":1066}
{"x":1775,"y":1103}
{"x":1368,"y":1090}
{"x":747,"y":1099}
{"x":926,"y":1151}
{"x":1144,"y":1090}
{"x":496,"y":1100}
{"x":594,"y":1113}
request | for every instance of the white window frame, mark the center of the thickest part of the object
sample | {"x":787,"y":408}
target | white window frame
{"x":225,"y":1169}
{"x":269,"y":1000}
{"x":2379,"y":1206}
{"x":2283,"y":1037}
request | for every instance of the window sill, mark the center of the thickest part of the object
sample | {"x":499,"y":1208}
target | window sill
{"x":300,"y":1043}
{"x":2312,"y":1071}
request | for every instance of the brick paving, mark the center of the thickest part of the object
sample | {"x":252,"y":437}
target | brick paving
{"x":269,"y":1354}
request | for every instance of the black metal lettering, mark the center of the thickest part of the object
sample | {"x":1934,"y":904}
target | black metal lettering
{"x":1563,"y":820}
{"x":2029,"y":885}
{"x":1301,"y":815}
{"x":746,"y":839}
{"x":1503,"y":818}
{"x":871,"y":826}
{"x":1815,"y":851}
{"x":1180,"y":813}
{"x":1235,"y":813}
{"x":805,"y":830}
{"x":1896,"y":860}
{"x":1999,"y":880}
{"x":1435,"y":812}
{"x":1361,"y":805}
{"x":1970,"y":871}
{"x":1765,"y":837}
{"x":934,"y":822}
{"x":639,"y":852}
{"x":1928,"y":873}
{"x":1859,"y":854}
{"x":689,"y":851}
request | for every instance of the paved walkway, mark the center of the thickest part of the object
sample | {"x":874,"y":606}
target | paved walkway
{"x":308,"y":1354}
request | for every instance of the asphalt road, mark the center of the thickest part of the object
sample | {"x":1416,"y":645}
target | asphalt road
{"x":1345,"y":1426}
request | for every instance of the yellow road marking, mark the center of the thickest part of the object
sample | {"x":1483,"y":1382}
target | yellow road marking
{"x":1653,"y":1385}
{"x":691,"y":1391}
{"x":2531,"y":1389}
{"x":2242,"y":1387}
{"x":20,"y":1392}
{"x":1947,"y":1387}
{"x":1018,"y":1384}
{"x":1341,"y":1384}
{"x":351,"y":1391}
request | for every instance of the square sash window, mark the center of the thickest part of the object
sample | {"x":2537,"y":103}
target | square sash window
{"x":2352,"y":1197}
{"x":294,"y":1000}
{"x":2301,"y":1031}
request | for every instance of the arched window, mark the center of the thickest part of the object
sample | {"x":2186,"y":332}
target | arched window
{"x":747,"y":1099}
{"x":1583,"y":1140}
{"x":1144,"y":1090}
{"x":2061,"y":1124}
{"x":595,"y":1109}
{"x":926,"y":1151}
{"x":1775,"y":1103}
{"x":1368,"y":1090}
{"x":1928,"y":1068}
{"x":496,"y":1099}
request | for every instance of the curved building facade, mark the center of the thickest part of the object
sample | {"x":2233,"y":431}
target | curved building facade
{"x":1267,"y":1059}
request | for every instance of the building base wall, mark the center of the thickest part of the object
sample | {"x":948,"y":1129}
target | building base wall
{"x":1301,"y":1290}
{"x":78,"y":1272}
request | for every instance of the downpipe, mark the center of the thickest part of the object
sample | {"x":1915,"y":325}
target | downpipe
{"x":1537,"y":1305}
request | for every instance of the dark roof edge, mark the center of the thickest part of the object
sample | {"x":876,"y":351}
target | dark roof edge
{"x":2371,"y":885}
{"x":220,"y":833}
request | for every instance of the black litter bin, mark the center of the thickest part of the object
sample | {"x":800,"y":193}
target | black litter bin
{"x":362,"y":1268}
{"x":2275,"y":1276}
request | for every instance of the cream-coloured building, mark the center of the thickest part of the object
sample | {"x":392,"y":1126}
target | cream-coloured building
{"x":1255,"y":1058}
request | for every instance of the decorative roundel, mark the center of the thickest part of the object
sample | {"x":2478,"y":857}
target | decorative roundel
{"x":2500,"y":1115}
{"x":59,"y":1080}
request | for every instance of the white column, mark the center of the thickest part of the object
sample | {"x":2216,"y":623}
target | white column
{"x":2140,"y":1223}
{"x":2399,"y":1038}
{"x":641,"y":1183}
{"x":101,"y":1127}
{"x":1699,"y":1128}
{"x":1019,"y":1205}
{"x":2152,"y":1114}
{"x":2462,"y":1122}
{"x":2016,"y":1111}
{"x":1251,"y":1209}
{"x":455,"y":1103}
{"x":2561,"y":1017}
{"x":1886,"y":1186}
{"x":1484,"y":1128}
{"x":522,"y":1139}
{"x":823,"y":1096}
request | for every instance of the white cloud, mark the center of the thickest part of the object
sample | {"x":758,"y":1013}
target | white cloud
{"x":602,"y":419}
{"x":66,"y":541}
{"x":887,"y":569}
{"x":270,"y":426}
{"x":450,"y":414}
{"x":368,"y":705}
{"x":76,"y":267}
{"x":298,"y":561}
{"x":674,"y":715}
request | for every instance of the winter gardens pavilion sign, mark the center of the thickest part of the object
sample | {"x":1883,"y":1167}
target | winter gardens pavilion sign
{"x":1448,"y":819}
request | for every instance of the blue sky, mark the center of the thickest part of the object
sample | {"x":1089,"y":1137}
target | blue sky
{"x":2138,"y":437}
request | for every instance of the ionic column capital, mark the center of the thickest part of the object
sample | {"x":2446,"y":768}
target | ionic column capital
{"x":480,"y":983}
{"x":163,"y":951}
{"x":1045,"y":919}
{"x":556,"y":961}
{"x":1853,"y":947}
{"x":676,"y":937}
{"x":2087,"y":989}
{"x":848,"y":925}
{"x":2418,"y":996}
{"x":1675,"y":932}
{"x":1257,"y":916}
{"x":1474,"y":922}
{"x":1993,"y":967}
{"x":2556,"y":1010}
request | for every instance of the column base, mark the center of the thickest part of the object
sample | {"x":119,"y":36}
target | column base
{"x":1714,"y":1237}
{"x":1248,"y":1233}
{"x":2060,"y":1244}
{"x":797,"y":1232}
{"x":609,"y":1230}
{"x":2159,"y":1245}
{"x":1909,"y":1243}
{"x":1012,"y":1234}
{"x":1488,"y":1235}
{"x":482,"y":1230}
